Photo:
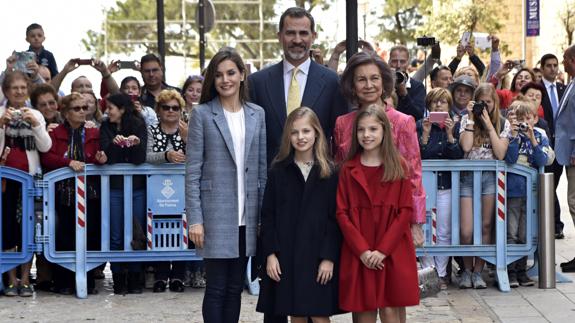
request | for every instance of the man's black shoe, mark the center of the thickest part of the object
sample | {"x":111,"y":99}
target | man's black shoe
{"x":569,"y":268}
{"x":568,"y":263}
{"x":559,"y":235}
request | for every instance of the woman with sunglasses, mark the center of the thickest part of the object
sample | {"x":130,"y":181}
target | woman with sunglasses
{"x":167,"y":144}
{"x":73,"y":145}
{"x":123,"y":137}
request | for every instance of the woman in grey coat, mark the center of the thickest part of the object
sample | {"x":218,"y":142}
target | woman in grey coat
{"x":225,"y":181}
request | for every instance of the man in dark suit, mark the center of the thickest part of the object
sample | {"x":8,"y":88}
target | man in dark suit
{"x":550,"y":102}
{"x":296,"y":81}
{"x":564,"y":133}
{"x":410,"y":92}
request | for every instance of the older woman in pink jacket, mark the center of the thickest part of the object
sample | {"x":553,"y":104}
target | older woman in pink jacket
{"x":366,"y":80}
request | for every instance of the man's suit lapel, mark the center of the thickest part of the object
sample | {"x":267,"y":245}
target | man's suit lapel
{"x":314,"y":86}
{"x":568,"y":95}
{"x":276,"y":92}
{"x":222,"y":124}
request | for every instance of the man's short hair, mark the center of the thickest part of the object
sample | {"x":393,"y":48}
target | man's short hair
{"x":150,"y":58}
{"x":546,"y":57}
{"x":297,"y":12}
{"x":436,"y":70}
{"x":33,"y":27}
{"x":400,"y":48}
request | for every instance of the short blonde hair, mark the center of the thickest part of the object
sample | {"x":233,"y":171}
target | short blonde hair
{"x":438,"y":94}
{"x":169,"y":95}
{"x":464,"y":70}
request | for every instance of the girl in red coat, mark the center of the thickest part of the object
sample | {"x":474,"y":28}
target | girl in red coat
{"x":374,"y":207}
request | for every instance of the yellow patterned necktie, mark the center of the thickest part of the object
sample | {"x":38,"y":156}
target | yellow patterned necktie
{"x":294,"y":99}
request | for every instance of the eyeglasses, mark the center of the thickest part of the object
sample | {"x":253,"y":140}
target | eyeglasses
{"x":175,"y":108}
{"x":77,"y":109}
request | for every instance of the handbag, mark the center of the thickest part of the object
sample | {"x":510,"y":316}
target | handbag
{"x":428,"y":279}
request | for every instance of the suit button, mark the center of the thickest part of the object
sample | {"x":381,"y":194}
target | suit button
{"x":246,"y":169}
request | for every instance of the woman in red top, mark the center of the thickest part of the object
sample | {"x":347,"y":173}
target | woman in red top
{"x":367,"y":79}
{"x":522,"y":77}
{"x":374,"y":207}
{"x":74,"y":145}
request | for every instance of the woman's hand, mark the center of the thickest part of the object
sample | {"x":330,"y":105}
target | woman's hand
{"x":273,"y":267}
{"x":364,"y":257}
{"x":449,"y":126}
{"x":76,"y":165}
{"x":324,"y":271}
{"x":11,"y":62}
{"x":426,"y":124}
{"x":113,"y":66}
{"x":90,"y":124}
{"x":51,"y":127}
{"x":6,"y":117}
{"x":417,"y":235}
{"x":183,"y":129}
{"x":196,"y":233}
{"x":176,"y":156}
{"x":101,"y":157}
{"x":119,"y":140}
{"x":29,"y":117}
{"x":134,"y":140}
{"x":4,"y":156}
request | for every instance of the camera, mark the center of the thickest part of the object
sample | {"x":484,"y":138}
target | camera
{"x":478,"y":108}
{"x":425,"y":41}
{"x":523,"y":127}
{"x":400,"y":77}
{"x":16,"y":115}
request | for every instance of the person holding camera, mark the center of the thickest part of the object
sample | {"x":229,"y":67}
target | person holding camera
{"x":523,"y":76}
{"x":23,"y":132}
{"x":529,"y":146}
{"x":439,"y":139}
{"x":82,"y":84}
{"x":410,"y":93}
{"x":483,"y":135}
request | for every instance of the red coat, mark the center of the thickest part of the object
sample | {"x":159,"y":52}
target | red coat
{"x":404,"y":138}
{"x":375,"y":221}
{"x":55,"y":159}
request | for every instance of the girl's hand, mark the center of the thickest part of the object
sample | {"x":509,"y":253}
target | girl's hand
{"x":364,"y":257}
{"x":134,"y":140}
{"x":486,"y":120}
{"x":325,"y":271}
{"x":273,"y":267}
{"x":196,"y":233}
{"x":76,"y":165}
{"x":376,"y":259}
{"x":470,"y":110}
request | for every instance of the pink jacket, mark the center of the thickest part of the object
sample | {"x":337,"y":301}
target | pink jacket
{"x":405,"y":138}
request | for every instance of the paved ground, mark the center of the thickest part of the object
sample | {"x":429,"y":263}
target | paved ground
{"x":523,"y":304}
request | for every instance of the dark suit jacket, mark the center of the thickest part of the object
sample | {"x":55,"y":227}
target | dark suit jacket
{"x":548,"y":110}
{"x":322,"y":94}
{"x":413,"y":103}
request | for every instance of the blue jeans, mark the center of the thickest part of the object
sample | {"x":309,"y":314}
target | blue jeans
{"x":224,"y":286}
{"x":117,"y":223}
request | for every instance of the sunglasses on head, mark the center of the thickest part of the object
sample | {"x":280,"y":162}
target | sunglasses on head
{"x":77,"y":109}
{"x":175,"y":108}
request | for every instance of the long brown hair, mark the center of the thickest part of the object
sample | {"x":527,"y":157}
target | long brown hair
{"x":480,"y":133}
{"x":393,"y":163}
{"x":320,"y":148}
{"x":209,"y":87}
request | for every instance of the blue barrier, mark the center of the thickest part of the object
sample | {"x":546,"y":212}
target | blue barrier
{"x":162,"y":199}
{"x":500,"y":254}
{"x":12,"y":259}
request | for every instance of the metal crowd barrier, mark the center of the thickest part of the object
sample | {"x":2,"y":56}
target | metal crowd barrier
{"x":26,"y":248}
{"x":166,"y":226}
{"x":498,"y":253}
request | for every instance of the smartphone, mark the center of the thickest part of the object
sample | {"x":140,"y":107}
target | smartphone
{"x":22,"y":59}
{"x":80,"y":61}
{"x":438,"y":117}
{"x":128,"y":65}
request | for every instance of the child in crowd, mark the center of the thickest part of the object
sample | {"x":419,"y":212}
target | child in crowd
{"x":529,"y":146}
{"x":483,"y":135}
{"x":440,"y":140}
{"x":299,"y":232}
{"x":374,"y":209}
{"x":35,"y":37}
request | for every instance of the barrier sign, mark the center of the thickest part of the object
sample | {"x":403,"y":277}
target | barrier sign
{"x":166,"y":194}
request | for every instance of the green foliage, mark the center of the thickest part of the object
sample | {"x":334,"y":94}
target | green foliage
{"x":131,"y":25}
{"x":401,"y":18}
{"x":449,"y":20}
